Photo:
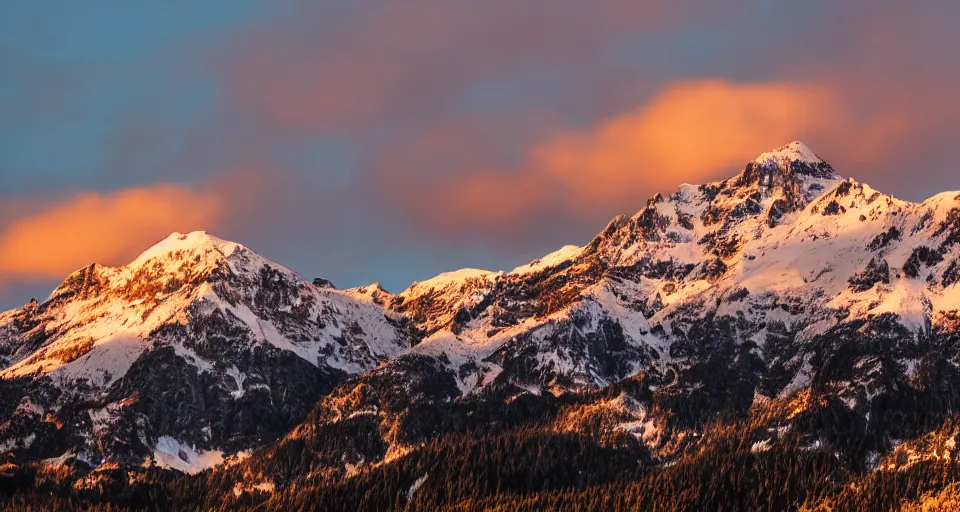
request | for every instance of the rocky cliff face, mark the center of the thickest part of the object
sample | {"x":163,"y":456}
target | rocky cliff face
{"x":785,"y":246}
{"x":783,"y":279}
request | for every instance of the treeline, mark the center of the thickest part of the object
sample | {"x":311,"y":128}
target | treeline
{"x":534,"y":469}
{"x":530,"y":453}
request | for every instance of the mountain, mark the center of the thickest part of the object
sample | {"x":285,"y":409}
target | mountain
{"x":783,"y":337}
{"x":197,"y":350}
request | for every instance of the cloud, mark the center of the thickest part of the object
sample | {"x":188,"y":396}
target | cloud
{"x":690,"y":131}
{"x":504,"y":124}
{"x":687,"y":132}
{"x":486,"y":133}
{"x":355,"y":69}
{"x":104,"y":228}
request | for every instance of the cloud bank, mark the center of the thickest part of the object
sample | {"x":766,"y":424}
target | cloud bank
{"x":99,"y":228}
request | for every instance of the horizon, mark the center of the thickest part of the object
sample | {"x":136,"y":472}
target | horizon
{"x":449,"y":271}
{"x":403,"y":287}
{"x":389,"y":143}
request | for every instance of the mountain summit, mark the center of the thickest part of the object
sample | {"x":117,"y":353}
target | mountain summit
{"x":788,"y":163}
{"x":788,"y":156}
{"x":198,"y":343}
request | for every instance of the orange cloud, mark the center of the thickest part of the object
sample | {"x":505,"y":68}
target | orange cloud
{"x":688,"y":132}
{"x":90,"y":227}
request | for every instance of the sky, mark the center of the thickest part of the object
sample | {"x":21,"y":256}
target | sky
{"x":391,"y":141}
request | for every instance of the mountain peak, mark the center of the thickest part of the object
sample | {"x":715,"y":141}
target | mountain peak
{"x":194,"y":242}
{"x":795,"y":151}
{"x":791,"y":160}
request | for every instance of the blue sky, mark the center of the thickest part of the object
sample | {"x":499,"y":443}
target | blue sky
{"x":390,"y":141}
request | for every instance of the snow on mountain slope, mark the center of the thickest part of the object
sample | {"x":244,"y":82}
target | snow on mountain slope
{"x":672,"y":253}
{"x":779,"y":279}
{"x":553,"y":259}
{"x":760,"y":278}
{"x":785,"y":156}
{"x":115,"y":311}
{"x":239,"y":335}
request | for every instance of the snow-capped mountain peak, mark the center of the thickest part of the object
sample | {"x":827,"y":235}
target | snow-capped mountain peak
{"x":192,"y":243}
{"x":200,"y":254}
{"x":212,"y":315}
{"x":189,"y":276}
{"x":792,"y":159}
{"x":786,"y":229}
{"x":793,"y":151}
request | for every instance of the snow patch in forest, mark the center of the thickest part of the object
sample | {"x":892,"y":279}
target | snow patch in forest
{"x":172,"y":454}
{"x":416,"y":485}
